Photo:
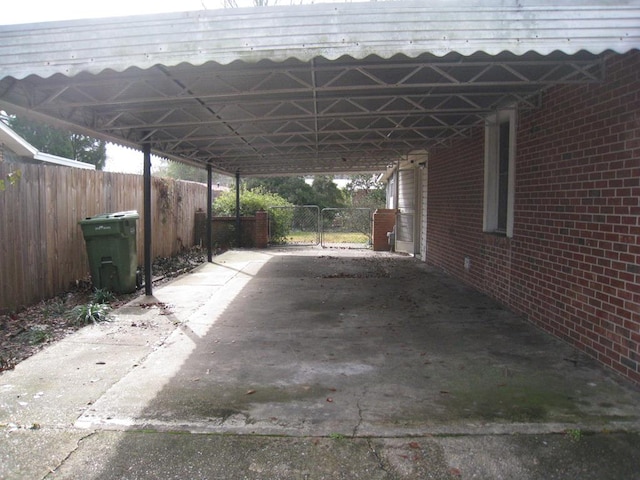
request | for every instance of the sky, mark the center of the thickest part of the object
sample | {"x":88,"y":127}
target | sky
{"x":119,"y":159}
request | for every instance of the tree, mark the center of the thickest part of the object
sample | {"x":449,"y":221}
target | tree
{"x":294,"y":189}
{"x":366,"y":192}
{"x":61,"y":143}
{"x":328,"y":195}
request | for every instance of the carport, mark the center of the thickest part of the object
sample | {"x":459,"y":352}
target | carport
{"x":333,"y":88}
{"x":378,"y":366}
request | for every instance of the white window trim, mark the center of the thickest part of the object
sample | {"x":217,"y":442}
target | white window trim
{"x":491,"y":167}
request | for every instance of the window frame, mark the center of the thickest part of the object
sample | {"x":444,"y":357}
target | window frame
{"x":492,"y":173}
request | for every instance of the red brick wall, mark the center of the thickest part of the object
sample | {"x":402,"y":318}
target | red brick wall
{"x":573,"y":264}
{"x":254,"y":230}
{"x":384,"y":219}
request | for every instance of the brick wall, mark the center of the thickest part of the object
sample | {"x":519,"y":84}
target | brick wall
{"x":573,"y":264}
{"x":384,"y":219}
{"x":254,"y":230}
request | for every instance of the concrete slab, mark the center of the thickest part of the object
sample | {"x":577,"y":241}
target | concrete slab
{"x":312,"y":363}
{"x":359,"y":346}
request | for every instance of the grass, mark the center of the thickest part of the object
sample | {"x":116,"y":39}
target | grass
{"x":327,"y":237}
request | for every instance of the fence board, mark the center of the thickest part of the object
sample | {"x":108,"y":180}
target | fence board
{"x":42,"y":249}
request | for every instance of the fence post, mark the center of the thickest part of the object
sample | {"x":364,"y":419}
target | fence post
{"x":262,"y":229}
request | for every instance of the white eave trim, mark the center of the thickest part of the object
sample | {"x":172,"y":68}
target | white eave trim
{"x":22,"y":148}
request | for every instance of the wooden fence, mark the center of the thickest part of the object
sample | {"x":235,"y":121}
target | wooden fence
{"x":42,"y":250}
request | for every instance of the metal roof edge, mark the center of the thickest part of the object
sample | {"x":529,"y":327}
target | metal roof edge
{"x":22,"y":148}
{"x":15,"y":142}
{"x":327,"y":31}
{"x":65,"y":162}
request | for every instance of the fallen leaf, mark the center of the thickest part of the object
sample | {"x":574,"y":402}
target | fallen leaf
{"x":414,"y":445}
{"x":333,"y":389}
{"x":455,"y":472}
{"x":250,"y":392}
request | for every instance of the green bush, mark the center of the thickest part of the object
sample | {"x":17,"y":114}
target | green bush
{"x":254,"y":200}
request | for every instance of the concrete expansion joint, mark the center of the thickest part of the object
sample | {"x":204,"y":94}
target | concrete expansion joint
{"x":53,"y":470}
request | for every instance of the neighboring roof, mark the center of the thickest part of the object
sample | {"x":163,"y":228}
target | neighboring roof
{"x":22,"y":148}
{"x":341,"y":87}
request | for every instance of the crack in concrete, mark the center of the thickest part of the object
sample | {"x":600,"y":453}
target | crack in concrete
{"x":354,"y":433}
{"x":53,"y":470}
{"x":382,"y":464}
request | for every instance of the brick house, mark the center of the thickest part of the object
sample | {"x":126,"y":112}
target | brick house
{"x":565,"y":249}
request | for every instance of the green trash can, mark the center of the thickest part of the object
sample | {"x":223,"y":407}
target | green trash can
{"x":111,"y":248}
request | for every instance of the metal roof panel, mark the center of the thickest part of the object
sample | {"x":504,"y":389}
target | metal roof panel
{"x":304,"y":32}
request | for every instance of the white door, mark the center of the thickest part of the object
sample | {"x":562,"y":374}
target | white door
{"x":407,"y":223}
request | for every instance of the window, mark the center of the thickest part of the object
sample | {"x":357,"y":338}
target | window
{"x":499,"y":173}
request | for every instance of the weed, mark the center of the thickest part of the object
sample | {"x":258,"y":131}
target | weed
{"x":336,"y":436}
{"x":102,"y":295}
{"x":90,"y":313}
{"x":574,"y":434}
{"x":38,"y":334}
{"x":54,"y":308}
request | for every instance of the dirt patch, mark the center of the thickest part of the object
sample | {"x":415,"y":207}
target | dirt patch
{"x":28,"y":330}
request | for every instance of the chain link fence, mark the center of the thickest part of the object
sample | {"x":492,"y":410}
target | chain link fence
{"x":297,"y":225}
{"x":346,"y":227}
{"x":331,"y":227}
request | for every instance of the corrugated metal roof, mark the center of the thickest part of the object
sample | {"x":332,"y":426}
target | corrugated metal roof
{"x":306,"y":89}
{"x":304,"y":32}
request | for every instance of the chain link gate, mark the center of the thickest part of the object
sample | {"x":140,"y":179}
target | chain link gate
{"x":346,"y":227}
{"x":299,"y":225}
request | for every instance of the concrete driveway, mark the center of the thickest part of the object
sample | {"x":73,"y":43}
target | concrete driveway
{"x":316,"y":364}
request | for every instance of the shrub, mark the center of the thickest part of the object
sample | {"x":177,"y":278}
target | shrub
{"x":257,"y":199}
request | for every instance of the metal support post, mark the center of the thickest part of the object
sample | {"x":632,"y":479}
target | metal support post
{"x":146,"y":150}
{"x":238,"y":232}
{"x":209,"y":212}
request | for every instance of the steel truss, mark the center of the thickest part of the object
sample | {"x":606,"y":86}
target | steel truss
{"x":319,"y":116}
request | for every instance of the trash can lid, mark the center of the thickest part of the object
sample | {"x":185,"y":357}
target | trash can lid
{"x":116,"y":216}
